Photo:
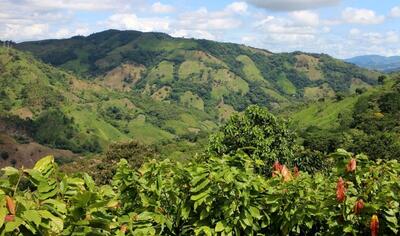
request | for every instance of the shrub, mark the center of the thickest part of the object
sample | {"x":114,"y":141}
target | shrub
{"x":133,"y":151}
{"x":257,"y":133}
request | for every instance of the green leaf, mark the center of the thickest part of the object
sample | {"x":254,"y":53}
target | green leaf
{"x":33,"y":216}
{"x":89,"y":182}
{"x":3,"y":213}
{"x":35,"y":177}
{"x":219,"y":227}
{"x":11,"y":226}
{"x":255,"y":212}
{"x":200,"y":186}
{"x":45,"y":165}
{"x":200,"y":195}
{"x":8,"y":171}
{"x":57,"y":205}
{"x":56,"y":224}
{"x":203,"y":229}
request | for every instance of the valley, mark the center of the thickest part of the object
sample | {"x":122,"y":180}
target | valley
{"x":133,"y":133}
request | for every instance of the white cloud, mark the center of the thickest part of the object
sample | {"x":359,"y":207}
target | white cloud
{"x":293,"y":5}
{"x":201,"y":34}
{"x":206,"y":24}
{"x":276,"y":25}
{"x":65,"y":32}
{"x":237,"y":7}
{"x":374,"y":38}
{"x":363,"y":42}
{"x":11,"y":31}
{"x":132,"y":22}
{"x":202,"y":19}
{"x":395,"y":11}
{"x":355,"y":32}
{"x":79,"y":5}
{"x":306,"y":18}
{"x":361,"y":16}
{"x":158,"y":7}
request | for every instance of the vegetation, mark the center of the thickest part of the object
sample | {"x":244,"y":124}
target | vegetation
{"x":211,"y":70}
{"x":366,"y":123}
{"x":221,"y":195}
{"x":254,"y":177}
{"x":257,"y":133}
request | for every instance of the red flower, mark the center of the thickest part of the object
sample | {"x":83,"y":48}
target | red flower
{"x":9,"y":218}
{"x":340,"y":190}
{"x":10,"y":205}
{"x":277,"y":168}
{"x":351,"y":166}
{"x":374,"y":226}
{"x":358,"y":206}
{"x":296,"y":171}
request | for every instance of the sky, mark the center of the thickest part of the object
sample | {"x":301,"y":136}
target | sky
{"x":341,"y":28}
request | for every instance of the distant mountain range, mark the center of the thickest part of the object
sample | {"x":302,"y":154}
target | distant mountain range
{"x":376,"y":62}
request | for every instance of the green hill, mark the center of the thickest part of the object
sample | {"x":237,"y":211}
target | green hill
{"x":122,"y":85}
{"x":367,"y":122}
{"x":200,"y":74}
{"x":59,"y":110}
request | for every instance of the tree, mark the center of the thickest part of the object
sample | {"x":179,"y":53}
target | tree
{"x":381,"y":79}
{"x":259,"y":134}
{"x":133,"y":151}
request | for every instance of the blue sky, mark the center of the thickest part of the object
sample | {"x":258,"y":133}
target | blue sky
{"x":341,"y":28}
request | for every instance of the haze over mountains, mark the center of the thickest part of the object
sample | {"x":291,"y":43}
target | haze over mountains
{"x":377,"y":62}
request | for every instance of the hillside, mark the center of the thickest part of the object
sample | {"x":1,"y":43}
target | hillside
{"x":368,"y":122}
{"x":47,"y":105}
{"x":200,"y":74}
{"x":171,"y":92}
{"x":376,"y":62}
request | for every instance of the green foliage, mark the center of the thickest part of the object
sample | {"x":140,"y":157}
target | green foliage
{"x":199,"y":66}
{"x":134,"y":152}
{"x":257,"y":133}
{"x":46,"y":203}
{"x":54,"y":128}
{"x":369,"y":123}
{"x":222,"y":196}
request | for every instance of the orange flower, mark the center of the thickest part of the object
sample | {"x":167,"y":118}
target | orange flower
{"x":374,"y":226}
{"x":340,"y":190}
{"x":351,"y":166}
{"x":296,"y":171}
{"x":10,"y":205}
{"x":287,"y":176}
{"x":124,"y":228}
{"x":358,"y":206}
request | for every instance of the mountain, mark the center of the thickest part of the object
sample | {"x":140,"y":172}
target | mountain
{"x":376,"y":62}
{"x":40,"y":103}
{"x":200,"y":74}
{"x":83,"y":93}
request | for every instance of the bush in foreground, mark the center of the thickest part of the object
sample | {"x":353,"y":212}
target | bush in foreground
{"x":221,"y":196}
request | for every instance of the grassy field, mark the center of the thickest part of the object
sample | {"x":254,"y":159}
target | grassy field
{"x":325,"y":114}
{"x":286,"y":85}
{"x":250,"y":69}
{"x":162,"y":72}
